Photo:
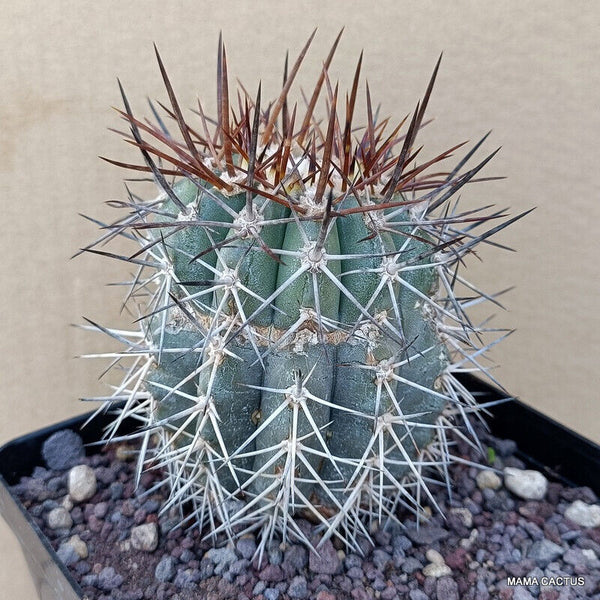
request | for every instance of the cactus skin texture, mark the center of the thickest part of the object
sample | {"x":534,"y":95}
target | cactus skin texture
{"x":299,"y":330}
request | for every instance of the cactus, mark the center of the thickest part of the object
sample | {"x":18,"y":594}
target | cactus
{"x":298,"y":329}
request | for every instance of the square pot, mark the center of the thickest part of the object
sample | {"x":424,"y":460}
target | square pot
{"x":543,"y":444}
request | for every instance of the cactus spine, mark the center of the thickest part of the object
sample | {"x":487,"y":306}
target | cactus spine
{"x":299,"y":333}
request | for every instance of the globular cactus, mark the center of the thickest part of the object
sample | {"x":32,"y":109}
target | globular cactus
{"x":299,"y":332}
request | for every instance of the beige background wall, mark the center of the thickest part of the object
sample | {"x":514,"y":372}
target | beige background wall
{"x":527,"y":70}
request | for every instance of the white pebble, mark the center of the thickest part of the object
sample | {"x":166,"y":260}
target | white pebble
{"x":125,"y":453}
{"x":435,"y":570}
{"x":435,"y":557}
{"x":465,"y":516}
{"x":529,"y":485}
{"x":589,"y":554}
{"x":59,"y":518}
{"x":466,"y":543}
{"x":79,"y":546}
{"x":145,"y":537}
{"x":488,"y":480}
{"x":82,"y":483}
{"x":585,"y":515}
{"x":425,"y":514}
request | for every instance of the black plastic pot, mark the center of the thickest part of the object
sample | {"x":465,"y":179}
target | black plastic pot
{"x":561,"y":454}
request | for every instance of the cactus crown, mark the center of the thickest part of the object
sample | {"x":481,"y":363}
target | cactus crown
{"x":299,"y":331}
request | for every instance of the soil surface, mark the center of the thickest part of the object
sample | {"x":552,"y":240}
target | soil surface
{"x":491,"y":543}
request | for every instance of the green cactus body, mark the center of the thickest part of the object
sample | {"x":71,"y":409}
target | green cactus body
{"x":347,"y":394}
{"x":298,"y":320}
